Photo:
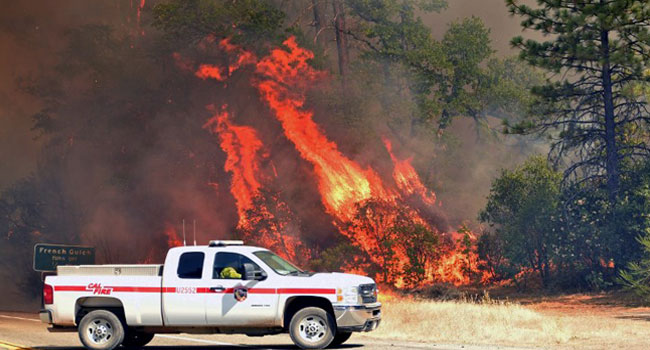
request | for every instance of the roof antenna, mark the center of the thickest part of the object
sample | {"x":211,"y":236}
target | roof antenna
{"x":194,"y":229}
{"x":184,"y":244}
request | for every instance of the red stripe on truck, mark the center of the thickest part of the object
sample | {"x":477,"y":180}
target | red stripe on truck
{"x":262,"y":290}
{"x":199,"y":290}
{"x":136,"y":289}
{"x":70,"y":289}
{"x":306,"y":291}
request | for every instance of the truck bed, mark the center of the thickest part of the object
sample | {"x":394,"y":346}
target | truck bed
{"x":110,"y":270}
{"x":136,"y":288}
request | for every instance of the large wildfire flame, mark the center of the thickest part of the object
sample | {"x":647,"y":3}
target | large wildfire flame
{"x":365,"y":207}
{"x":256,"y":220}
{"x":242,"y":147}
{"x":342,"y":182}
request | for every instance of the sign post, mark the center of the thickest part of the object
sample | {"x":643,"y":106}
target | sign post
{"x":48,"y":256}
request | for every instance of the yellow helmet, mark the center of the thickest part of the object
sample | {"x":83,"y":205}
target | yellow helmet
{"x":230,"y":272}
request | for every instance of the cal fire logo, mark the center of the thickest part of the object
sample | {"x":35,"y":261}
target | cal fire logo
{"x":97,"y":289}
{"x":240,"y":293}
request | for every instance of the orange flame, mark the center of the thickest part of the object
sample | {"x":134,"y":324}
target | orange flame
{"x":242,"y":147}
{"x":210,"y":71}
{"x":407,"y":178}
{"x":461,"y":263}
{"x":242,"y":57}
{"x":172,"y":237}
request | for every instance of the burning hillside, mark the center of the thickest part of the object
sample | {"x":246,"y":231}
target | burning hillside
{"x":389,"y":218}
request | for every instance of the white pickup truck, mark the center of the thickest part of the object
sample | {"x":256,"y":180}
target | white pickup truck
{"x":224,"y":287}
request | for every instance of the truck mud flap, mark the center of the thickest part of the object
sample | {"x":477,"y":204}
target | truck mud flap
{"x":62,"y":329}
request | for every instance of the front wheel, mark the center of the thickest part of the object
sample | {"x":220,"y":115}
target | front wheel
{"x":340,"y":338}
{"x":101,"y":330}
{"x":312,"y":328}
{"x":134,"y":339}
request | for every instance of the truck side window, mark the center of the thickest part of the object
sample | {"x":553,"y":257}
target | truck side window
{"x":190,"y":265}
{"x":230,"y":266}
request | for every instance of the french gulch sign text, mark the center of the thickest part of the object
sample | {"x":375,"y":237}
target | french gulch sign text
{"x":48,"y":256}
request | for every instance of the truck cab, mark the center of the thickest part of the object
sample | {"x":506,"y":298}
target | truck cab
{"x":223,"y":287}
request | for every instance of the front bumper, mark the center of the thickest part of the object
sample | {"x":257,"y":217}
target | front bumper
{"x":45,"y":316}
{"x":357,"y":318}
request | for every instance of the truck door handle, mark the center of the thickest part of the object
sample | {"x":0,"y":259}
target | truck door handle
{"x":217,"y":289}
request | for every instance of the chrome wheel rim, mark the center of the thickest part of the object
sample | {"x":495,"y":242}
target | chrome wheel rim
{"x":312,"y":328}
{"x":100,"y":331}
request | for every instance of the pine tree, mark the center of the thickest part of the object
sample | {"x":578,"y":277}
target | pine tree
{"x":596,"y":52}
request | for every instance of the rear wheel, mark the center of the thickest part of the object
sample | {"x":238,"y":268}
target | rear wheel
{"x":134,"y":339}
{"x":340,"y":338}
{"x":312,"y":328}
{"x":101,"y":330}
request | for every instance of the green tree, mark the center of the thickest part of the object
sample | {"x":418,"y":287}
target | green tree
{"x":505,"y":87}
{"x":635,"y":207}
{"x":491,"y":253}
{"x":596,"y":53}
{"x":637,"y":276}
{"x":187,"y":22}
{"x":523,"y":209}
{"x":422,"y":248}
{"x":340,"y":256}
{"x":448,"y":78}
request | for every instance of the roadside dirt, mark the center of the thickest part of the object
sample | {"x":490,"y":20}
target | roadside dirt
{"x":615,"y":305}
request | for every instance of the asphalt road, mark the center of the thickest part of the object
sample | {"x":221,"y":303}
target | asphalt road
{"x":23,"y":331}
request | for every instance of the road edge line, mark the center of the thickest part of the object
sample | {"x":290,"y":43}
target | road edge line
{"x":20,"y":318}
{"x":12,"y":346}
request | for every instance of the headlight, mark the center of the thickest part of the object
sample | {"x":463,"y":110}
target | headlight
{"x":368,"y":293}
{"x":348,"y":295}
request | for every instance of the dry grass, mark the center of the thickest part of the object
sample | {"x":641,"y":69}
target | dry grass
{"x":497,"y":323}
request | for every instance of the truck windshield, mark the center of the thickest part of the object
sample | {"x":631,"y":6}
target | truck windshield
{"x":278,"y":264}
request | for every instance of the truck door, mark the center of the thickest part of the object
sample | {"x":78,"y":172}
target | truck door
{"x":239,"y":302}
{"x":184,"y":289}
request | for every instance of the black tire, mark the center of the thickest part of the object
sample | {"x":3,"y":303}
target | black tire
{"x":312,"y":328}
{"x":134,"y":339}
{"x":101,"y":330}
{"x":340,"y":338}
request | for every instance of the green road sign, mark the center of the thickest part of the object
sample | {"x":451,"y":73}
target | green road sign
{"x":48,"y":256}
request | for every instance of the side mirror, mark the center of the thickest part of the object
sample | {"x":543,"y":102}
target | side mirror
{"x":253,"y":274}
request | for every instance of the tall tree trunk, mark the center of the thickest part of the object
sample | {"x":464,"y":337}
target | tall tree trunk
{"x":611,"y":148}
{"x":546,"y":268}
{"x":341,"y":39}
{"x":317,"y":20}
